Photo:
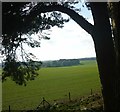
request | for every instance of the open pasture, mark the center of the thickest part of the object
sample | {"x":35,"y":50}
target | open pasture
{"x":52,"y":83}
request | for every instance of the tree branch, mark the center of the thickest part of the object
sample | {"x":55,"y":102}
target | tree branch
{"x":88,"y":27}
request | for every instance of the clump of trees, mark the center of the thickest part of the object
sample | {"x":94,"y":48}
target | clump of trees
{"x":28,"y":18}
{"x":61,"y":63}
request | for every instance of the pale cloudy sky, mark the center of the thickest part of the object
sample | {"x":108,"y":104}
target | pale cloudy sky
{"x":69,"y":42}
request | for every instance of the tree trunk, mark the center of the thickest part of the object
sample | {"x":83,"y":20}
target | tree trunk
{"x":115,"y":16}
{"x":106,"y":58}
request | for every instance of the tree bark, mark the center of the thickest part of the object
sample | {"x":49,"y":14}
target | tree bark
{"x":106,"y":58}
{"x":115,"y":16}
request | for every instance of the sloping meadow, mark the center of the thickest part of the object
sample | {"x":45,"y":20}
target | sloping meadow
{"x":53,"y":83}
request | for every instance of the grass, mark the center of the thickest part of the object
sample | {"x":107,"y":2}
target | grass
{"x":91,"y":103}
{"x":52,"y":83}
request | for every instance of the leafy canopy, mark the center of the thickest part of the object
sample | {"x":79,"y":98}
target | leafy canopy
{"x":21,"y":18}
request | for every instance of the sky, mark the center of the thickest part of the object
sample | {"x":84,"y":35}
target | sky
{"x":68,"y":42}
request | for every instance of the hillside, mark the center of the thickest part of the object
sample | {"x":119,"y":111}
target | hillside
{"x":52,"y":83}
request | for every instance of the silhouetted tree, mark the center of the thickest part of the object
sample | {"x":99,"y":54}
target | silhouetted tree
{"x":19,"y":22}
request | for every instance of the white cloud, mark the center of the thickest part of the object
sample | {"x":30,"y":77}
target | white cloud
{"x":69,"y":42}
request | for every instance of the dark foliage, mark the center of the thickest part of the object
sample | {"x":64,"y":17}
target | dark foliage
{"x":20,"y":18}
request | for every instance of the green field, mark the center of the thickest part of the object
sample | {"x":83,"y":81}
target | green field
{"x":53,"y":84}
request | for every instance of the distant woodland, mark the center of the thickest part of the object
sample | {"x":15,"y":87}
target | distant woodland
{"x":64,"y":62}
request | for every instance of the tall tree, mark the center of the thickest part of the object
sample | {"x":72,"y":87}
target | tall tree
{"x":115,"y":16}
{"x":100,"y":32}
{"x":105,"y":53}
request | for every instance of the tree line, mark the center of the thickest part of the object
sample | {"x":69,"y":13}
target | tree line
{"x":61,"y":63}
